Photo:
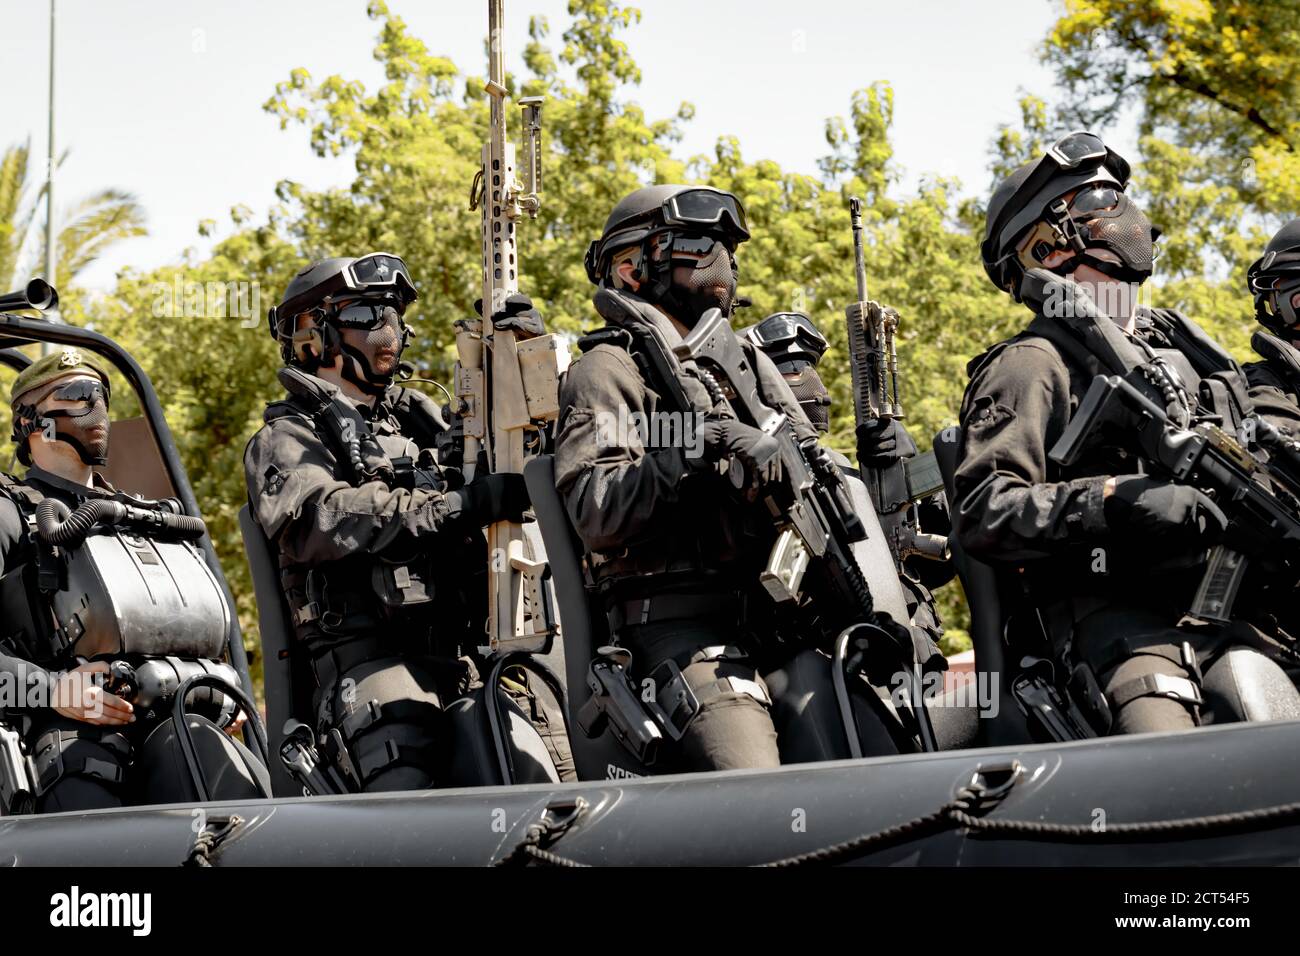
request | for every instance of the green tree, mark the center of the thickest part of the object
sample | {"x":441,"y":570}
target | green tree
{"x":89,"y":226}
{"x":415,"y":142}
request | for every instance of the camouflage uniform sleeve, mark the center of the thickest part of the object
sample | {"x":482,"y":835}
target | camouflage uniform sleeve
{"x":1007,"y":509}
{"x":613,"y":487}
{"x":312,"y":515}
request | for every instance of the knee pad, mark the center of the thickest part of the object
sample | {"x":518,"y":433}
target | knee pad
{"x":227,"y":768}
{"x":1243,"y":684}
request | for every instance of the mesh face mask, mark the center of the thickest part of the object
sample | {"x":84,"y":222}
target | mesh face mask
{"x":84,"y":426}
{"x":372,"y":338}
{"x":812,"y":395}
{"x":702,"y":279}
{"x":1098,"y":215}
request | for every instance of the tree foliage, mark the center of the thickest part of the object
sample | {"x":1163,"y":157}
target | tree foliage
{"x":1214,"y":83}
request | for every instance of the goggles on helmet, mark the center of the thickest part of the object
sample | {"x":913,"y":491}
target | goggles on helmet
{"x":789,"y":327}
{"x":707,"y":209}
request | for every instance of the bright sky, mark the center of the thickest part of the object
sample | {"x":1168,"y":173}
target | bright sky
{"x":163,"y":97}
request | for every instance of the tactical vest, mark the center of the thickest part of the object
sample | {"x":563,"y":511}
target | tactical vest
{"x":1066,"y":589}
{"x":118,"y":593}
{"x":407,"y":591}
{"x":710,"y":549}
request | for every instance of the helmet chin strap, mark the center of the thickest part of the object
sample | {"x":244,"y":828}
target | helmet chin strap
{"x":82,"y":452}
{"x":356,"y":369}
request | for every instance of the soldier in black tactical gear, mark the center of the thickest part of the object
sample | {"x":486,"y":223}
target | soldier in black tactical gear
{"x":796,"y":345}
{"x":1108,"y":554}
{"x":672,"y":551}
{"x":1274,"y":282}
{"x":381,"y":550}
{"x":108,"y":606}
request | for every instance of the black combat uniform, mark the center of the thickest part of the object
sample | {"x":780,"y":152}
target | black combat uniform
{"x":386,"y":582}
{"x":1109,"y":598}
{"x":1275,"y":381}
{"x":671,"y":549}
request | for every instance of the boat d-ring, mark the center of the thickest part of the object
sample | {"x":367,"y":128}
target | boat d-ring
{"x":990,"y":783}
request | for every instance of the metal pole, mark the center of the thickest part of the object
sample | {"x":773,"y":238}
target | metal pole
{"x":49,"y":189}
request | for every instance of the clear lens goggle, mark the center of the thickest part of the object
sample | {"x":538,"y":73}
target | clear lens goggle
{"x":789,"y":327}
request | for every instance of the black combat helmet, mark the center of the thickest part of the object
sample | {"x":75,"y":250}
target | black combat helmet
{"x":1031,"y":197}
{"x":371,"y":280}
{"x":795,"y":345}
{"x":681,"y":242}
{"x":790,"y":339}
{"x":1274,"y":281}
{"x":652,"y":209}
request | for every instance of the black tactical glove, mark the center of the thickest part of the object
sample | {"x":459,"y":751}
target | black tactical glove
{"x":756,"y":451}
{"x":1144,"y":507}
{"x":519,"y":314}
{"x":491,"y":498}
{"x":882,"y":442}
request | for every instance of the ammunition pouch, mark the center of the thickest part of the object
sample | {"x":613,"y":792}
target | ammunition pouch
{"x":395,"y":589}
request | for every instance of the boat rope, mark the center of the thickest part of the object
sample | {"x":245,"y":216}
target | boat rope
{"x":207,"y":844}
{"x":965,"y":811}
{"x":957,"y":814}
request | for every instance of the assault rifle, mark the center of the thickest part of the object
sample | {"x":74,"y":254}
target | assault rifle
{"x":809,"y":502}
{"x":1181,"y":442}
{"x":873,"y":364}
{"x":1264,"y":524}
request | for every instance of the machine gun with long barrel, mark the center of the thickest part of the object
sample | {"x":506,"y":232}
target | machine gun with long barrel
{"x":873,"y":364}
{"x":506,"y":384}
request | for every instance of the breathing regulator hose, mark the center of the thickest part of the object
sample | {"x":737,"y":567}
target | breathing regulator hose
{"x":57,"y":525}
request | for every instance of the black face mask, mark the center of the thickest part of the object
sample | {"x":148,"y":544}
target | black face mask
{"x":83,"y":427}
{"x":696,"y":285}
{"x":813,"y":397}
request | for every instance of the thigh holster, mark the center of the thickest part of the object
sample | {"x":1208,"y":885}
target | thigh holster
{"x":80,"y":753}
